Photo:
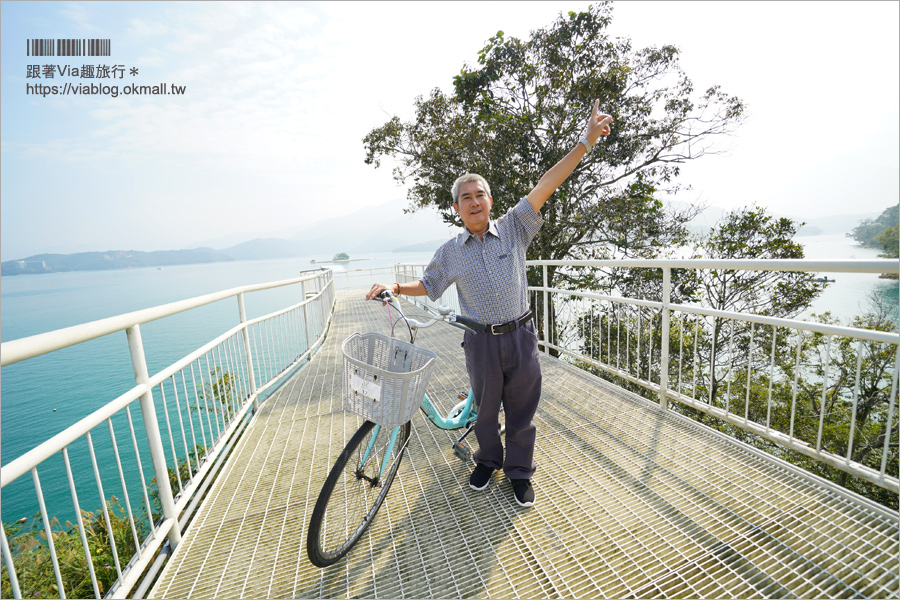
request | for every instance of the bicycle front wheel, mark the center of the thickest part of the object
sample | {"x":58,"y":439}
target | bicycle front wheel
{"x":354,"y":491}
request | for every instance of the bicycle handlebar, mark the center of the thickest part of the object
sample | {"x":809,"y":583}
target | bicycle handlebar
{"x":446,"y":315}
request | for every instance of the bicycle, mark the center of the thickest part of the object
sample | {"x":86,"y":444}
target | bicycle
{"x":364,"y":471}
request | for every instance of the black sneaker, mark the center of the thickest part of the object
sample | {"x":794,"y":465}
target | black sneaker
{"x":481,"y":477}
{"x":523,"y":491}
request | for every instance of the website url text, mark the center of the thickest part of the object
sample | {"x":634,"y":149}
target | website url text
{"x":95,"y":89}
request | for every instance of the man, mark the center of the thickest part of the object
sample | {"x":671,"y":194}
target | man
{"x":487,"y":263}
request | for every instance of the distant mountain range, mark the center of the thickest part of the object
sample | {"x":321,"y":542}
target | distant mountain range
{"x":376,"y":229}
{"x":382,"y":228}
{"x":373,"y":229}
{"x":113,"y":259}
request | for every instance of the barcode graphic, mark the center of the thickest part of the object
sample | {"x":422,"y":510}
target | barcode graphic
{"x":68,"y":47}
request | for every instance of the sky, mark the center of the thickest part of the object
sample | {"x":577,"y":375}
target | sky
{"x":266,"y":138}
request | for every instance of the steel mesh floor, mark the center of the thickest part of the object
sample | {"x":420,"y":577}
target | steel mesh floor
{"x":632,"y":501}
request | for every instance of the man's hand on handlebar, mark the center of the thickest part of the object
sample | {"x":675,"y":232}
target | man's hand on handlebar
{"x":377,"y":290}
{"x":385,"y":293}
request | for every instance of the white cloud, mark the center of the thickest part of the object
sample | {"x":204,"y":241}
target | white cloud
{"x":280,"y":95}
{"x":81,"y":16}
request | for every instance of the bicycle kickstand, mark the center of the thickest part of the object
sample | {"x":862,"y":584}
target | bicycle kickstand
{"x":462,"y":450}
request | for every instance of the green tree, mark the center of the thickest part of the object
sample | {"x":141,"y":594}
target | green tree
{"x":220,"y":395}
{"x":889,"y":243}
{"x":812,"y":393}
{"x":522,"y":108}
{"x":858,"y":434}
{"x":748,"y":233}
{"x":178,"y":478}
{"x":751,"y":233}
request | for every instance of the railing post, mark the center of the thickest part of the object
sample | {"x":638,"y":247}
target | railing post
{"x":304,"y":287}
{"x":248,"y":356}
{"x":546,"y":313}
{"x":664,"y":351}
{"x":154,"y":438}
{"x":10,"y":568}
{"x":323,"y":316}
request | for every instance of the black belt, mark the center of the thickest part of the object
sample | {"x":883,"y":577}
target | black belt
{"x":497,"y":329}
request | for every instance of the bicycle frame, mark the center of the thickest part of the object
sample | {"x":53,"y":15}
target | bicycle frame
{"x":390,"y":449}
{"x":371,"y":459}
{"x":461,"y":415}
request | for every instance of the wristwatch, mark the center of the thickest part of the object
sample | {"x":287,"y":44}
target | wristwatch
{"x":587,"y":144}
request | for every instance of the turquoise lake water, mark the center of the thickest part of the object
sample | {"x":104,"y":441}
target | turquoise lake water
{"x":42,"y":396}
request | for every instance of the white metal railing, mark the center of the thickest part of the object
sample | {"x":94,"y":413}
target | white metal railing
{"x":805,"y":400}
{"x":191,"y":412}
{"x":401,"y":273}
{"x":362,"y":277}
{"x":631,"y":339}
{"x":641,"y":351}
{"x":406,"y":273}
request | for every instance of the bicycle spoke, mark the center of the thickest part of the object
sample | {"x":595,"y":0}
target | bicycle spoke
{"x":354,"y":491}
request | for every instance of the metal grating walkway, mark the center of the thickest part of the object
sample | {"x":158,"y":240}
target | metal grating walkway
{"x":632,"y":501}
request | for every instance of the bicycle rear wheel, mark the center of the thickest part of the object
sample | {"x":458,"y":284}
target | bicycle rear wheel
{"x":353,"y":492}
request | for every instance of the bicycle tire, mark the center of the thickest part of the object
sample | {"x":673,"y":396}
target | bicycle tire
{"x":351,"y":496}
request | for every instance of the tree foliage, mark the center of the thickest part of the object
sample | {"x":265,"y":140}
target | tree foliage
{"x":831,"y":392}
{"x":828,"y":392}
{"x":748,"y":233}
{"x":31,"y":553}
{"x":34,"y":567}
{"x":856,"y":407}
{"x":220,"y":394}
{"x":28,"y":540}
{"x":524,"y":106}
{"x":889,"y":242}
{"x":751,"y":233}
{"x":880,"y":232}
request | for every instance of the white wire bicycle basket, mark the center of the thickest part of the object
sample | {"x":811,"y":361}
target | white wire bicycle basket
{"x":385,"y":378}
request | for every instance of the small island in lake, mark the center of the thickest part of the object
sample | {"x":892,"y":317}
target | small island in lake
{"x":340,"y":257}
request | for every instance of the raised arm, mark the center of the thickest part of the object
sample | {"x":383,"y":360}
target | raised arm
{"x":598,"y":124}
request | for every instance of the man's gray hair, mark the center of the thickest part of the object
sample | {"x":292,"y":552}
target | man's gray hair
{"x":454,"y":191}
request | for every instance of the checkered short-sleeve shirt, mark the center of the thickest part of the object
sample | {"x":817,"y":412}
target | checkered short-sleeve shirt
{"x":489,"y":274}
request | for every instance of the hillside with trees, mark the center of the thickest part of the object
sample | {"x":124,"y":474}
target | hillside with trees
{"x":880,"y":233}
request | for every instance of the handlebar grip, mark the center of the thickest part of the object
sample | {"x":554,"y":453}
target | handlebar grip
{"x":385,"y":295}
{"x":470,"y":323}
{"x":463,"y":327}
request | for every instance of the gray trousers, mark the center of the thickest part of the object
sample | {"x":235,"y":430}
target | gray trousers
{"x":505,"y":369}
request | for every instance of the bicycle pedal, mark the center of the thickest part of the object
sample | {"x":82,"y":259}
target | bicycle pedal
{"x":462,"y":451}
{"x":463,"y":395}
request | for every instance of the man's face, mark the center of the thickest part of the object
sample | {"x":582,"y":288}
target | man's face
{"x":473,"y":205}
